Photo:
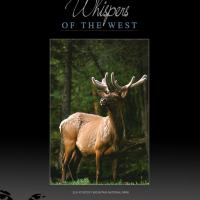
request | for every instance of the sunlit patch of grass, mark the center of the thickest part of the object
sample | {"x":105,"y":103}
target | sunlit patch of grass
{"x":86,"y":181}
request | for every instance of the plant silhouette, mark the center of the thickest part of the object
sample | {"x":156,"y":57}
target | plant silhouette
{"x":5,"y":195}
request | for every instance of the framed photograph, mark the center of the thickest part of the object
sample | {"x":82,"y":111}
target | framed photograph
{"x":99,"y":112}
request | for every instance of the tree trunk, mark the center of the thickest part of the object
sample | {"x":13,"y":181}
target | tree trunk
{"x":67,"y":81}
{"x":96,"y":107}
{"x":93,"y":56}
{"x":66,"y":91}
{"x":145,"y":121}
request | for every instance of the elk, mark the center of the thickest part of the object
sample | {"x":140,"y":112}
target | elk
{"x":85,"y":134}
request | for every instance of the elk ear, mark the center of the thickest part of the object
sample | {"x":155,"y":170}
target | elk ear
{"x":101,"y":93}
{"x":124,"y":93}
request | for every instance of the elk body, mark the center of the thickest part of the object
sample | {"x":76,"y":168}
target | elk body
{"x":85,"y":134}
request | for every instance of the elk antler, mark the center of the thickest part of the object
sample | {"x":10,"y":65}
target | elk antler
{"x":129,"y":85}
{"x":103,"y":85}
{"x":144,"y":78}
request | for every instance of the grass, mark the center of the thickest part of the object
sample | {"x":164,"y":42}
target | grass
{"x":133,"y":169}
{"x":86,"y":181}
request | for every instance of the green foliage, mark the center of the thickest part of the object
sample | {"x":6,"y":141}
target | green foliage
{"x":86,"y":181}
{"x":124,"y":57}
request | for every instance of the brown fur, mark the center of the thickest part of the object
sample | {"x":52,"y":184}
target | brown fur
{"x":85,"y":134}
{"x":91,"y":134}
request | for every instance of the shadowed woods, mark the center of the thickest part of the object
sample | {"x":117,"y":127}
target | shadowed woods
{"x":73,"y":63}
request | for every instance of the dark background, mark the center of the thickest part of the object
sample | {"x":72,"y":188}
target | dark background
{"x":92,"y":57}
{"x":174,"y":144}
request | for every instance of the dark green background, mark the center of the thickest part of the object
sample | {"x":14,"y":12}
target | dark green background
{"x":73,"y":63}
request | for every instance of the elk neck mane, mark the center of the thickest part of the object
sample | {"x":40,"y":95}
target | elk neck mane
{"x":117,"y":120}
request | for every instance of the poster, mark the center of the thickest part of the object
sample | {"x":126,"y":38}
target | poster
{"x":128,"y":38}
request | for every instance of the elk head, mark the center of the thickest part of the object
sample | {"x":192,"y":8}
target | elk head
{"x":112,"y":94}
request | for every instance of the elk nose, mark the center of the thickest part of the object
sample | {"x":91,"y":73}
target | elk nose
{"x":103,"y":102}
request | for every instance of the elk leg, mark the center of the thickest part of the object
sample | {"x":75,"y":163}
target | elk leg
{"x":74,"y":163}
{"x":69,"y":174}
{"x":114,"y":168}
{"x":98,"y":165}
{"x":65,"y":164}
{"x":63,"y":169}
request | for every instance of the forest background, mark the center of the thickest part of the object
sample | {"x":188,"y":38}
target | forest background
{"x":72,"y":64}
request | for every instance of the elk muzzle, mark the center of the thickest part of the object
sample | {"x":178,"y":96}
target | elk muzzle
{"x":103,"y":101}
